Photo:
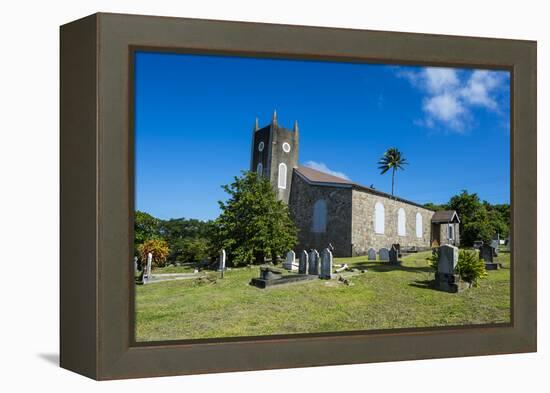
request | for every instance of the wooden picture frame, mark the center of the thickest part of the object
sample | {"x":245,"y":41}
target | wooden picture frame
{"x":97,"y":313}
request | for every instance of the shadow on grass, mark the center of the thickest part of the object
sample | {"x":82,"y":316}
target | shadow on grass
{"x":424,"y":284}
{"x":388,"y":267}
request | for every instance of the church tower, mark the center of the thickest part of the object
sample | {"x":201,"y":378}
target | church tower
{"x":274,"y":154}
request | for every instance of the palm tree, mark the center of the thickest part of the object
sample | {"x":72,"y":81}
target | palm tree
{"x":392,"y":159}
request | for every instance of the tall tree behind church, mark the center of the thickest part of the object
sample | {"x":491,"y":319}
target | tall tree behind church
{"x":392,"y":159}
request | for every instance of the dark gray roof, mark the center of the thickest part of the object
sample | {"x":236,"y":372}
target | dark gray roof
{"x":445,"y":216}
{"x":316,"y":177}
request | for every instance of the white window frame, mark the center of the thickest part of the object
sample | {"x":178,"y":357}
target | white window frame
{"x":281,"y":181}
{"x":379,"y":221}
{"x":286,"y":147}
{"x":419,"y":226}
{"x":260,"y":169}
{"x":401,"y":222}
{"x":451,"y":232}
{"x":261,"y":146}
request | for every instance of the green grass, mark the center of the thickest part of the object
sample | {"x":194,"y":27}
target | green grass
{"x":385,"y":297}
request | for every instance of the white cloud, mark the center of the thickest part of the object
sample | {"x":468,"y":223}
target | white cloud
{"x":322,"y":167}
{"x":449,"y":98}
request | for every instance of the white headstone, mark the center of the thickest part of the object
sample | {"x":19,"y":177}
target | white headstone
{"x":290,"y":260}
{"x":147,"y":276}
{"x":372,"y":254}
{"x":135,"y":264}
{"x":313,"y":267}
{"x":303,"y":266}
{"x":448,"y":258}
{"x":384,"y":254}
{"x":326,"y":264}
{"x":222,"y":260}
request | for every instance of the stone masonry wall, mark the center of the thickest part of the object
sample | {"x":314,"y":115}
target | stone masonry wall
{"x":339,"y":205}
{"x":364,"y":235}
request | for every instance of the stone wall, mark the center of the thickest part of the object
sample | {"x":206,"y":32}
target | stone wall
{"x":363,"y":231}
{"x":338,"y":225}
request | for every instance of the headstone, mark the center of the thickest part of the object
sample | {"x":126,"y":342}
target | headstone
{"x":384,"y":254}
{"x":394,"y":255}
{"x":372,"y":254}
{"x":326,"y":264}
{"x":290,"y":260}
{"x":222,"y":262}
{"x":136,"y":265}
{"x":486,"y":252}
{"x":147,"y":275}
{"x":448,"y":258}
{"x":397,"y":247}
{"x":313,"y":266}
{"x":446,"y":279}
{"x":494,"y":244}
{"x":303,"y":266}
{"x":478,"y":244}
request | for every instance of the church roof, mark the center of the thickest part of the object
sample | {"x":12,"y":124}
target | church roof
{"x":445,"y":216}
{"x":316,"y":177}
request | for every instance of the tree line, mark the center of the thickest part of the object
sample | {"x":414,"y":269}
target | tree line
{"x":479,"y":220}
{"x":254,"y":226}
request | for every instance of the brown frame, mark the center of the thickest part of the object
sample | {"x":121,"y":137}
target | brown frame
{"x":97,"y":315}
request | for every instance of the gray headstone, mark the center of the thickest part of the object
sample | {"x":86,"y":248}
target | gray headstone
{"x":372,"y":254}
{"x":326,"y":264}
{"x":135,"y":264}
{"x":313,"y":267}
{"x":448,"y":258}
{"x":394,"y":255}
{"x":384,"y":254}
{"x":486,"y":253}
{"x":290,"y":260}
{"x":495,"y":244}
{"x":303,"y":266}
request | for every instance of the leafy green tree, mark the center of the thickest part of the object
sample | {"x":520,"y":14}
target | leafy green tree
{"x":146,"y":227}
{"x":479,"y":220}
{"x":392,"y":160}
{"x":190,"y":249}
{"x":253,"y":224}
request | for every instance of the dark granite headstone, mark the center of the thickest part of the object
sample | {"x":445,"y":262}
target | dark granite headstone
{"x":313,"y":265}
{"x":326,"y":264}
{"x":486,"y":252}
{"x":394,"y":256}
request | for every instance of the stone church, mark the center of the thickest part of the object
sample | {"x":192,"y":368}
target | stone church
{"x":332,"y":210}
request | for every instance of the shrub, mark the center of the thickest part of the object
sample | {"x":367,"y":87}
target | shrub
{"x":158,"y":247}
{"x":470,"y":268}
{"x":433,"y":259}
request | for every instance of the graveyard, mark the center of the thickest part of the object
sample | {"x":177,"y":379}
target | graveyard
{"x":379,"y":295}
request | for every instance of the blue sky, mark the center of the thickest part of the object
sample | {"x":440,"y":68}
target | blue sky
{"x":194,"y":117}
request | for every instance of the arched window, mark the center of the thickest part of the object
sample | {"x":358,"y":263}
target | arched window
{"x":319,"y":216}
{"x":260,"y":169}
{"x":401,"y":222}
{"x":282,"y":175}
{"x":379,"y":218}
{"x":419,"y":229}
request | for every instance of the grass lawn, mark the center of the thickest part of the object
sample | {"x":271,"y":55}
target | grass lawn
{"x":384,"y":297}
